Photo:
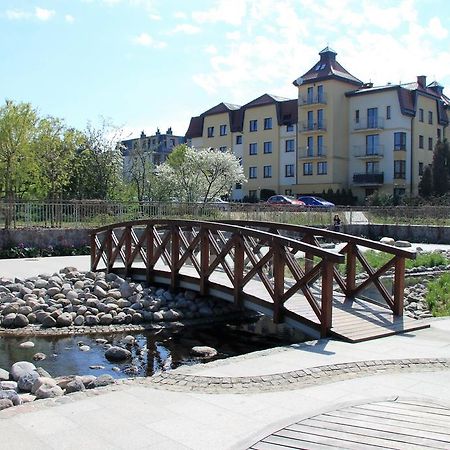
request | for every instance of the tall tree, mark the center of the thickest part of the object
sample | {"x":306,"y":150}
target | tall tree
{"x":426,"y":182}
{"x":440,"y":168}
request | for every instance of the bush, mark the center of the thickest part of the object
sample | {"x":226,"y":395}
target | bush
{"x":22,"y":251}
{"x":438,"y":296}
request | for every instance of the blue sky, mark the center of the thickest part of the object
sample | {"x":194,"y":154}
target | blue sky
{"x":149,"y":63}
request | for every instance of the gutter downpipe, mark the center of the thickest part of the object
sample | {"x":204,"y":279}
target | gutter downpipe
{"x":412,"y":151}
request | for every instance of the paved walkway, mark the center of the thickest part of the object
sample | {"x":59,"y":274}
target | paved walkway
{"x":234,"y":403}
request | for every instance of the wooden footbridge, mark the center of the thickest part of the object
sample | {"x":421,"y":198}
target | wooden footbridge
{"x":277,"y":269}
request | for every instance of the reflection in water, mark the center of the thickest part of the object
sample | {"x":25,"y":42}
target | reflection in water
{"x":153,"y":352}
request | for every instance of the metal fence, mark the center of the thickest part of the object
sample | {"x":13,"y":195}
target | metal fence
{"x":90,"y":214}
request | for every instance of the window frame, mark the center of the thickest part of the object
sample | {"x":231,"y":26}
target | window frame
{"x":287,"y":148}
{"x":322,"y":168}
{"x":288,"y":173}
{"x":267,"y":171}
{"x":253,"y":125}
{"x":267,"y":151}
{"x":223,"y":130}
{"x":399,"y":172}
{"x":253,"y":148}
{"x":252,"y":172}
{"x":306,"y":165}
{"x":210,"y":132}
{"x":268,"y":123}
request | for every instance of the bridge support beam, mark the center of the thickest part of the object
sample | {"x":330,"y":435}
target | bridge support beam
{"x":238,"y":269}
{"x":399,"y":286}
{"x":204,"y":261}
{"x":278,"y":288}
{"x":327,"y":298}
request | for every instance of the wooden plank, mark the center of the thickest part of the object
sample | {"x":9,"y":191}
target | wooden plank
{"x":428,"y":405}
{"x":426,"y":409}
{"x":264,"y":445}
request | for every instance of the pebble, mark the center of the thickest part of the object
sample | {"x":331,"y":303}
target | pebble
{"x":27,"y":344}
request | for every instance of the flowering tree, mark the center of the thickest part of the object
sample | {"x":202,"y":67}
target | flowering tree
{"x":201,"y":174}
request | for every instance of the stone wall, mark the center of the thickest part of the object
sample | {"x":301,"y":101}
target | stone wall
{"x":44,"y":237}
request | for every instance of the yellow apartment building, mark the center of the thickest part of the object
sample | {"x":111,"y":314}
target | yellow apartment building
{"x":339,"y":133}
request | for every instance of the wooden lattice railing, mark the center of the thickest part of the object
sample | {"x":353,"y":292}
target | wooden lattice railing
{"x":353,"y":252}
{"x":223,"y":257}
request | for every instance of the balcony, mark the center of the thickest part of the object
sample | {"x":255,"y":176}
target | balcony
{"x":313,"y":126}
{"x":313,"y":100}
{"x":364,"y":152}
{"x":369,"y":124}
{"x":307,"y":153}
{"x":368,"y":179}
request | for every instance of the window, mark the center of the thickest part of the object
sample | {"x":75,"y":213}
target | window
{"x":357,"y":116}
{"x":307,"y":168}
{"x":372,"y":141}
{"x":320,"y":147}
{"x":420,"y":168}
{"x":239,"y":139}
{"x":430,"y":117}
{"x":252,"y":193}
{"x":253,"y":148}
{"x":420,"y":115}
{"x":430,"y":143}
{"x":400,"y":169}
{"x":238,"y":186}
{"x":223,"y":130}
{"x":310,"y":120}
{"x":268,"y":147}
{"x":289,"y":145}
{"x":320,"y":95}
{"x":210,"y":132}
{"x":320,"y":121}
{"x":310,"y":146}
{"x":322,"y":168}
{"x":388,"y":112}
{"x":268,"y":123}
{"x":290,"y":127}
{"x":267,"y":171}
{"x":223,"y":148}
{"x":400,"y":140}
{"x":253,"y":125}
{"x":252,"y":172}
{"x":439,"y":134}
{"x":372,"y":167}
{"x":289,"y":170}
{"x":310,"y":94}
{"x":372,"y":117}
{"x":420,"y":141}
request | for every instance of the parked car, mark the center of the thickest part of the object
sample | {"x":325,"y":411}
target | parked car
{"x":217,"y":202}
{"x":284,"y":200}
{"x":319,"y":202}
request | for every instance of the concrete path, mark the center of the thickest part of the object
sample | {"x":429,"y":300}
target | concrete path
{"x":142,"y":414}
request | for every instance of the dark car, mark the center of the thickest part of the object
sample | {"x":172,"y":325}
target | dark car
{"x":319,"y":202}
{"x":284,"y":200}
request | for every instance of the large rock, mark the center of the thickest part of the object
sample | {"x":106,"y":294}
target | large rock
{"x":21,"y":368}
{"x":39,"y":356}
{"x":79,"y":321}
{"x":8,"y":320}
{"x":76,"y":385}
{"x":46,"y":391}
{"x":203,"y":351}
{"x":117,"y":354}
{"x":11,"y":395}
{"x":91,"y":320}
{"x":104,"y":380}
{"x":106,"y":319}
{"x":99,"y":292}
{"x":41,"y":381}
{"x":64,"y":320}
{"x":26,"y":381}
{"x":126,"y":290}
{"x":48,"y":322}
{"x":403,"y":244}
{"x":5,"y":403}
{"x":9,"y":385}
{"x":88,"y":381}
{"x":27,"y":344}
{"x":4,"y":375}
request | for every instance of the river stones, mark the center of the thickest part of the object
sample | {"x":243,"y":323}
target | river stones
{"x":9,"y":385}
{"x":203,"y":351}
{"x":46,"y":391}
{"x":76,"y":385}
{"x":104,"y":380}
{"x":26,"y":381}
{"x":4,"y":375}
{"x":39,"y":356}
{"x":64,"y":320}
{"x":11,"y":395}
{"x":116,"y":354}
{"x":5,"y":403}
{"x":27,"y":344}
{"x":21,"y":368}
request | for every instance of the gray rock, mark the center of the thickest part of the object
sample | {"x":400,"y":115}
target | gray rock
{"x":115,"y":353}
{"x":49,"y":392}
{"x":11,"y":395}
{"x":72,"y":295}
{"x":106,"y":319}
{"x":129,"y":340}
{"x":40,"y":283}
{"x":53,"y":291}
{"x":25,"y":310}
{"x":203,"y":351}
{"x":4,"y":375}
{"x":8,"y":320}
{"x":78,"y":321}
{"x":9,"y":385}
{"x":39,"y":356}
{"x":26,"y":381}
{"x":75,"y":385}
{"x":21,"y":368}
{"x":48,"y":322}
{"x":27,"y":344}
{"x":157,"y":316}
{"x":104,"y":380}
{"x":41,"y":381}
{"x":91,"y":320}
{"x":64,"y":320}
{"x":84,"y":348}
{"x":387,"y":240}
{"x":126,"y":290}
{"x":88,"y":381}
{"x":5,"y":403}
{"x":403,"y":244}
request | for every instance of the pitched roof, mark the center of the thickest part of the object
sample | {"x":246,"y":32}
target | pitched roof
{"x":195,"y":128}
{"x":220,"y":108}
{"x":265,"y":99}
{"x":325,"y":69}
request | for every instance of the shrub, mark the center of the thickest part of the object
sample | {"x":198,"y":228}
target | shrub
{"x":438,"y":296}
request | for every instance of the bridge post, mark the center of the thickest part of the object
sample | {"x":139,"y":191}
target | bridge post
{"x":399,"y":286}
{"x":127,"y":250}
{"x":204,"y":259}
{"x":149,"y":239}
{"x":93,"y":250}
{"x":278,"y":288}
{"x":175,"y":250}
{"x":327,"y":298}
{"x":351,"y":269}
{"x":108,"y":238}
{"x":238,"y":268}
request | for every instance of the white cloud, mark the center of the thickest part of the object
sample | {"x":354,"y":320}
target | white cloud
{"x":16,"y":14}
{"x":436,"y":29}
{"x":233,"y":35}
{"x":43,"y":14}
{"x":211,"y":49}
{"x":186,"y":28}
{"x":228,"y":11}
{"x":180,"y":15}
{"x":69,"y":18}
{"x":146,"y":40}
{"x":154,"y":17}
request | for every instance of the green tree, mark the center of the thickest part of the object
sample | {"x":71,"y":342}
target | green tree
{"x":426,"y":183}
{"x":440,"y":168}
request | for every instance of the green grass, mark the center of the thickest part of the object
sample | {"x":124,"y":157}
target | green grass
{"x":438,"y":296}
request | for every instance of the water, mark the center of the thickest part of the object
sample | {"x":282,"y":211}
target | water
{"x":154,"y":351}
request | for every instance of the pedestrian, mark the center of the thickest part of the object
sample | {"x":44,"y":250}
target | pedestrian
{"x":337,"y":223}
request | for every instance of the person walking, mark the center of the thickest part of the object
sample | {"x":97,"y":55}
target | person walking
{"x":336,"y":223}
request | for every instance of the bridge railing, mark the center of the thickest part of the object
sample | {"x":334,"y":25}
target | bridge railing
{"x":224,"y":257}
{"x":353,"y":249}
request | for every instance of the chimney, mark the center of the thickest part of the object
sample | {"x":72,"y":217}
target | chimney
{"x":422,"y":80}
{"x":143,"y":135}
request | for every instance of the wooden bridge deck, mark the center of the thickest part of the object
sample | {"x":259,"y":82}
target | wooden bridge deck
{"x":400,"y":424}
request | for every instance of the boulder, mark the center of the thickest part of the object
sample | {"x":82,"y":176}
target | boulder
{"x":46,"y":391}
{"x":39,"y":356}
{"x":78,"y":321}
{"x":27,"y":344}
{"x":11,"y":395}
{"x":106,"y":319}
{"x":5,"y":403}
{"x":64,"y":320}
{"x":21,"y":368}
{"x":88,"y":381}
{"x":9,"y":385}
{"x":4,"y":375}
{"x":8,"y":320}
{"x":41,"y":381}
{"x":99,"y":292}
{"x":129,"y":340}
{"x":403,"y":244}
{"x":48,"y":322}
{"x":126,"y":290}
{"x":203,"y":351}
{"x":115,"y":353}
{"x":104,"y":380}
{"x":76,"y":385}
{"x":91,"y":320}
{"x":26,"y":381}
